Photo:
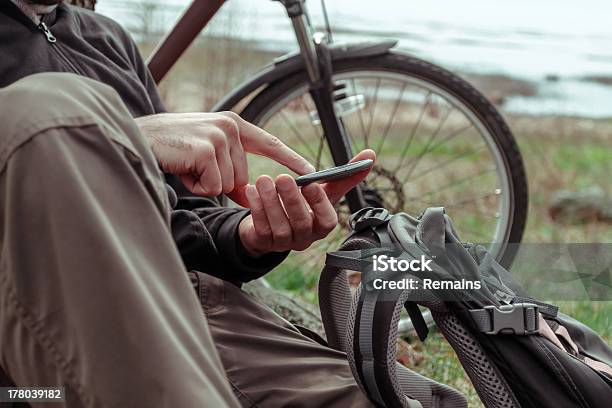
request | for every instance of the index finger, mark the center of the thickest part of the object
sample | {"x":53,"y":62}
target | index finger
{"x":258,"y":141}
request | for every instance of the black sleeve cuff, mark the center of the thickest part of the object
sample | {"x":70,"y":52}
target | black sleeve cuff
{"x":234,"y":256}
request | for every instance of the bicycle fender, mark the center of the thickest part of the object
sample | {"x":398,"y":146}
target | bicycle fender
{"x":291,"y":63}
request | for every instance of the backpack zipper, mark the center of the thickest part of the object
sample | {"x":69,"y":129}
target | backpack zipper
{"x":45,"y":30}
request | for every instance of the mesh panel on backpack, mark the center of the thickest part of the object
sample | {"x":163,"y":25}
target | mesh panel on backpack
{"x":350,"y":338}
{"x":409,"y":379}
{"x":490,"y":386}
{"x":402,"y":385}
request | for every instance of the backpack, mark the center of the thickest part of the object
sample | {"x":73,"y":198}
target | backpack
{"x":516,"y":350}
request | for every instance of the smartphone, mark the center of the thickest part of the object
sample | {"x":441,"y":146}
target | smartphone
{"x":334,"y":173}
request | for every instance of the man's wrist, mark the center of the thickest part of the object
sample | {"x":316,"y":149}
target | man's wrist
{"x":247,"y":249}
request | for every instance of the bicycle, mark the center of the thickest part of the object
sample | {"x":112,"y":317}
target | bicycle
{"x":439,"y":142}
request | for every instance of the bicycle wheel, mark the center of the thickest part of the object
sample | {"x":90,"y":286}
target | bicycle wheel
{"x":439,"y":142}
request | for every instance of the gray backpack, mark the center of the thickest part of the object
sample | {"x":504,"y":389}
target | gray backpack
{"x":517,"y":351}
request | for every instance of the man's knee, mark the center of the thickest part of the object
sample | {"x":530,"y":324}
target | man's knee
{"x":60,"y":100}
{"x":48,"y":96}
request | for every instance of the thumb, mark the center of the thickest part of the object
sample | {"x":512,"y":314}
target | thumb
{"x":336,"y":189}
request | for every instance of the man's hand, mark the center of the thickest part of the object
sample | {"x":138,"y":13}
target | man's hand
{"x":207,"y":150}
{"x":284,"y":218}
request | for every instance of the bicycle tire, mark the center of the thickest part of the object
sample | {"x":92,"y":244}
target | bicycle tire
{"x":470,"y":97}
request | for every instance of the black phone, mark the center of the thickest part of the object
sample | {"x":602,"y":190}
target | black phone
{"x":334,"y":173}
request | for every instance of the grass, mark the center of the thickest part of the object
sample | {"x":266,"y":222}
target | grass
{"x":596,"y":315}
{"x":441,"y":364}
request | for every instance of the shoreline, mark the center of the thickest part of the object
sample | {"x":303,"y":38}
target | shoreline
{"x":551,"y":95}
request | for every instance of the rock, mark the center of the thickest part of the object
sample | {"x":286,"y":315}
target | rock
{"x":293,"y":309}
{"x":589,"y":205}
{"x":552,"y":78}
{"x":407,"y":355}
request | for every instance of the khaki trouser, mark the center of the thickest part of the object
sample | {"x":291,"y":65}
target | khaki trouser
{"x":93,"y":293}
{"x":268,"y":362}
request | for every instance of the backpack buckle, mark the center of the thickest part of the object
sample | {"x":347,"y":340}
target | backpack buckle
{"x":368,"y":217}
{"x":519,"y":318}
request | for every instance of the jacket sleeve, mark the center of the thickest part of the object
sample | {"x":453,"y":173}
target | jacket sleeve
{"x":207,"y":237}
{"x":205,"y":232}
{"x":143,"y":72}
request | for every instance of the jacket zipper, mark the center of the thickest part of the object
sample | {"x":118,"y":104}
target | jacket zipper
{"x":53,"y":41}
{"x":50,"y":37}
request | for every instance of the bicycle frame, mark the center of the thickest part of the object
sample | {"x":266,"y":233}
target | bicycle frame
{"x":198,"y":15}
{"x":187,"y":28}
{"x":315,"y":55}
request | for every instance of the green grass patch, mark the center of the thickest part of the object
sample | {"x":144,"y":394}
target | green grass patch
{"x":596,"y":315}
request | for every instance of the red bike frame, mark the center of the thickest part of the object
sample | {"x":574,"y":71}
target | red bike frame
{"x":188,"y":27}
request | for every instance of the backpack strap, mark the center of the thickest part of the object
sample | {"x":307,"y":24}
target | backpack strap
{"x":356,"y":260}
{"x":365,"y":325}
{"x":418,"y":322}
{"x":334,"y":292}
{"x":372,"y":341}
{"x":547,"y":309}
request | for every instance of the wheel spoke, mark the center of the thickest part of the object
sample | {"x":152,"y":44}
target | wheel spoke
{"x":317,"y":131}
{"x":476,"y":232}
{"x":454,"y":183}
{"x":413,"y":132}
{"x":358,"y":110}
{"x":351,"y":138}
{"x":307,"y":111}
{"x":297,"y":133}
{"x":426,"y":149}
{"x":372,"y":110}
{"x":320,"y":152}
{"x":391,"y":118}
{"x":459,"y":204}
{"x":467,"y":210}
{"x":452,"y":136}
{"x":446,"y":163}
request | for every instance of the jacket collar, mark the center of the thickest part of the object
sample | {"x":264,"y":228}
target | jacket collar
{"x":33,"y":11}
{"x":11,"y":9}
